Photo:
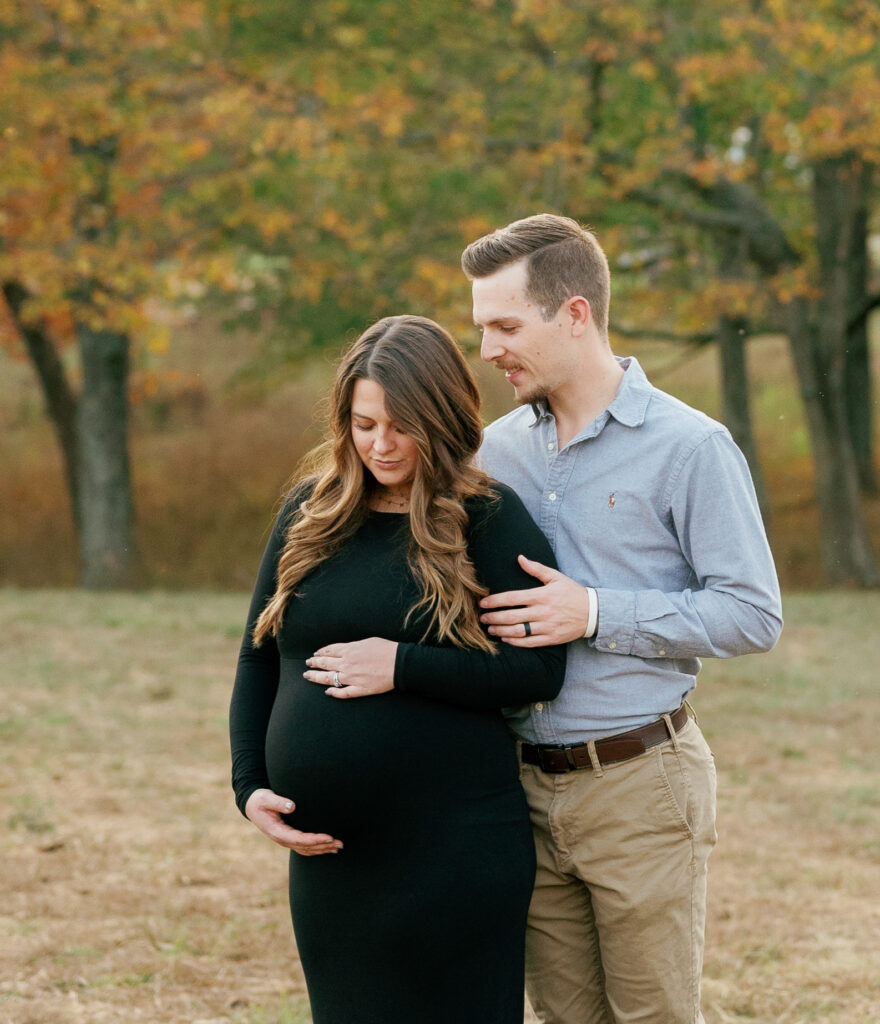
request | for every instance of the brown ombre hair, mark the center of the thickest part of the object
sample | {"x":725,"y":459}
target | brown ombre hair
{"x":562,"y":259}
{"x":431,"y":394}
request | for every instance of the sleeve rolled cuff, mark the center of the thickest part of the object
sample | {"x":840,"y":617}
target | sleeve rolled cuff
{"x":616,"y":630}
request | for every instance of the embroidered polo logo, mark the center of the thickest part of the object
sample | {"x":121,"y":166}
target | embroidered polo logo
{"x":611,"y":501}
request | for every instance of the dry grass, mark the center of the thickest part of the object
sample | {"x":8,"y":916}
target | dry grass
{"x":133,"y":891}
{"x":795,"y":920}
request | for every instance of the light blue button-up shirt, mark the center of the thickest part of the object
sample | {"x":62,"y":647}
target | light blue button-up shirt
{"x":653,"y":505}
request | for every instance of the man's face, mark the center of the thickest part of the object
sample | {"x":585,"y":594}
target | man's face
{"x":537,"y":356}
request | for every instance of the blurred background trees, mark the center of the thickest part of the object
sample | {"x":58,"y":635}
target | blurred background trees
{"x":299,"y":170}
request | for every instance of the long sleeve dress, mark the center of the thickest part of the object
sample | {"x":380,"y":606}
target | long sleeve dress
{"x":420,"y":919}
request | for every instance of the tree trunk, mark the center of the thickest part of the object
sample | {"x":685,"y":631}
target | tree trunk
{"x":819,"y":348}
{"x":61,"y":402}
{"x":109,"y":557}
{"x":736,"y":405}
{"x":845,"y":549}
{"x":819,"y":352}
{"x":858,"y":386}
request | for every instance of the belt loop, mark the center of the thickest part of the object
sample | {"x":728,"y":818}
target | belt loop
{"x":673,"y":735}
{"x":691,"y":712}
{"x":598,"y":770}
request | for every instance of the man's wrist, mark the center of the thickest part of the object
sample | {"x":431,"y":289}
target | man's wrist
{"x":592,"y":613}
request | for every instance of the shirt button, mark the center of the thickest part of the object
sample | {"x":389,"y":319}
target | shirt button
{"x":613,"y":645}
{"x":552,"y":495}
{"x":550,"y":446}
{"x":662,"y":653}
{"x":539,"y":706}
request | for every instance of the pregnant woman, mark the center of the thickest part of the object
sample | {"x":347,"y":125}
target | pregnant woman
{"x":412,"y":860}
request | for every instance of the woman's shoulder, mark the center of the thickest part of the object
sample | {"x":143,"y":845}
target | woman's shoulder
{"x":504,"y":494}
{"x":499,"y":501}
{"x":301,"y":491}
{"x":502,"y":527}
{"x":298,"y":494}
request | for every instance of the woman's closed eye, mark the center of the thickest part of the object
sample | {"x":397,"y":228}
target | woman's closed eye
{"x":367,"y":427}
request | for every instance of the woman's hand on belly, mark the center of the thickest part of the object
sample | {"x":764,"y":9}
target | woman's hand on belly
{"x":264,"y":808}
{"x":359,"y":669}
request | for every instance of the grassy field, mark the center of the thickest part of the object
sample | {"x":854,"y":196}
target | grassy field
{"x":133,"y":891}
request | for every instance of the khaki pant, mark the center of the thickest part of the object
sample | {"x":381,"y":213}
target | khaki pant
{"x":618,"y":914}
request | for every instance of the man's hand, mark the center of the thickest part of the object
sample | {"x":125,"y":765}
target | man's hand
{"x":362,"y":668}
{"x":264,"y":808}
{"x":556,"y":613}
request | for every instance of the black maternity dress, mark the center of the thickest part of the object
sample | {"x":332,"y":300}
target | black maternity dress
{"x":420,"y":919}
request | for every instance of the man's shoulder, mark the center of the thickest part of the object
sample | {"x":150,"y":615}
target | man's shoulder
{"x":671,"y":414}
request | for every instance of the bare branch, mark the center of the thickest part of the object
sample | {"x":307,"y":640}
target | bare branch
{"x":696,"y":339}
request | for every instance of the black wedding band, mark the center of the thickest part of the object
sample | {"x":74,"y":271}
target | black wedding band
{"x":528,"y":627}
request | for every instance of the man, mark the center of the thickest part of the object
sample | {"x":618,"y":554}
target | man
{"x":651,"y":512}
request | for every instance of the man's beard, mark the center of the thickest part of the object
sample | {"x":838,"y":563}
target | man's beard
{"x":537,"y":392}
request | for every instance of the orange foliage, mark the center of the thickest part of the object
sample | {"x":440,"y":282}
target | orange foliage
{"x":818,"y":65}
{"x":122,"y":147}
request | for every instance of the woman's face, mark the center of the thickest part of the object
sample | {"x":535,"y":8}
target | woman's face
{"x":387,"y":452}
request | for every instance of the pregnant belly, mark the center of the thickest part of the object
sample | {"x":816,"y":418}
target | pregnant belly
{"x":380,"y":761}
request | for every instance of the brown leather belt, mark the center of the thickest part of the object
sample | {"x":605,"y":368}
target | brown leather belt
{"x":610,"y":750}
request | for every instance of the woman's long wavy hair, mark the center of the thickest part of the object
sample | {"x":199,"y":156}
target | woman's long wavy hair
{"x":431,"y":394}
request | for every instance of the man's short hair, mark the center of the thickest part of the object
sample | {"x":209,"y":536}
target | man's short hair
{"x":562,"y":259}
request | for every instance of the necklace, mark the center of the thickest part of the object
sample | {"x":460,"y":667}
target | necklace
{"x":397,"y":499}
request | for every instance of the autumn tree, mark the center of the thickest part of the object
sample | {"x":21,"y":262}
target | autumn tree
{"x":657,"y":123}
{"x":218,"y":150}
{"x":746,"y":134}
{"x":305,"y":168}
{"x":782,"y":163}
{"x":109,"y":112}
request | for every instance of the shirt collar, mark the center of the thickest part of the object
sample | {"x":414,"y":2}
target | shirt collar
{"x":630,"y":403}
{"x":541,"y":411}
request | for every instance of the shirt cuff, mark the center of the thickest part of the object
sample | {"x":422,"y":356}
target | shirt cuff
{"x":616,"y":629}
{"x":400,"y":667}
{"x":592,"y":613}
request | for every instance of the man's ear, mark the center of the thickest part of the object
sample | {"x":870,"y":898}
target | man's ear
{"x":580,"y":313}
